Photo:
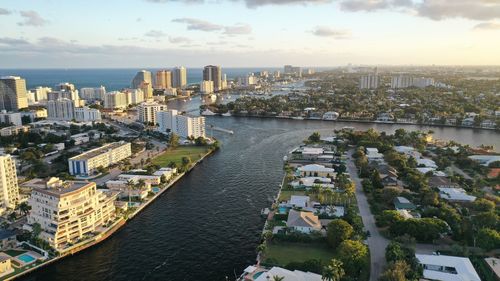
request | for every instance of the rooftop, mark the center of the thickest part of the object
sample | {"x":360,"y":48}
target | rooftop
{"x":63,"y":188}
{"x":455,"y":194}
{"x":303,"y":219}
{"x":98,"y":151}
{"x":463,"y":269}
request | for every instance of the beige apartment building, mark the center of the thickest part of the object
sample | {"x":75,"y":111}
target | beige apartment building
{"x":9,"y":189}
{"x":67,"y":211}
{"x":109,"y":154}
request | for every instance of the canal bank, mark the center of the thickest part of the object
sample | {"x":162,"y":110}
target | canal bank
{"x":114,"y":227}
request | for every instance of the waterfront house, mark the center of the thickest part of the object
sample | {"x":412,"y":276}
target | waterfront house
{"x":308,"y":182}
{"x":305,"y":222}
{"x":447,"y":268}
{"x":315,"y":170}
{"x":288,"y":275}
{"x":455,"y":195}
{"x":297,"y":201}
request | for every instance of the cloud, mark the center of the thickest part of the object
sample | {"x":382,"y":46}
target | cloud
{"x":373,"y":5}
{"x":32,"y":18}
{"x":469,"y":9}
{"x":155,"y":34}
{"x":325,"y":31}
{"x":487,"y":26}
{"x":179,"y":40}
{"x":196,"y":24}
{"x":4,"y":12}
{"x":257,"y":3}
{"x":238,"y":29}
{"x":167,"y":1}
{"x":12,"y":41}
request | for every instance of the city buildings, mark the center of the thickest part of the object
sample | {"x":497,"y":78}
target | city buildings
{"x":61,"y":109}
{"x":115,"y":100}
{"x":69,"y":211}
{"x":38,"y":95}
{"x":207,"y":87}
{"x":134,"y":96}
{"x":163,"y":79}
{"x":146,"y":111}
{"x":66,"y":91}
{"x":179,"y":77}
{"x":292,"y":70}
{"x":370,"y":81}
{"x":170,"y":121}
{"x":93,"y":94}
{"x":9,"y":189}
{"x":143,"y":81}
{"x":109,"y":154}
{"x":401,"y":81}
{"x":86,"y":114}
{"x":13,"y":118}
{"x":213,"y":73}
{"x":13,"y":95}
{"x":13,"y":130}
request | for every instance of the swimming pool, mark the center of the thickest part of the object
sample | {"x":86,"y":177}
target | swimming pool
{"x":156,"y":189}
{"x":282,"y":210}
{"x":256,"y":275}
{"x":26,"y":258}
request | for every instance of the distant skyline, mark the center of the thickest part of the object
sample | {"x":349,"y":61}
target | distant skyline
{"x":247,"y":33}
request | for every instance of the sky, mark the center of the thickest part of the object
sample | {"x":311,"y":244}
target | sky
{"x":247,"y":33}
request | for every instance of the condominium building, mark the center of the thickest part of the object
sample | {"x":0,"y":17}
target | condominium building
{"x":143,"y":81}
{"x":370,"y":81}
{"x":115,"y":99}
{"x":86,"y":114}
{"x":292,"y":70}
{"x":35,"y":114}
{"x":163,"y":79}
{"x":13,"y":93}
{"x":66,"y":91}
{"x":69,"y":211}
{"x":422,"y":82}
{"x":109,"y":154}
{"x":146,"y":111}
{"x":13,"y":118}
{"x":170,"y":121}
{"x":9,"y":189}
{"x":401,"y":81}
{"x":134,"y":96}
{"x":179,"y":77}
{"x":207,"y":87}
{"x":213,"y":73}
{"x":93,"y":94}
{"x":13,"y":130}
{"x":61,"y":109}
{"x":38,"y":95}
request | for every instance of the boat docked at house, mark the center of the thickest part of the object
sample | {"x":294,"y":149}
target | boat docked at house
{"x":207,"y":112}
{"x":330,"y":116}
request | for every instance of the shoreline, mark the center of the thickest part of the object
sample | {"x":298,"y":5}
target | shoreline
{"x":116,"y":226}
{"x":363,"y":121}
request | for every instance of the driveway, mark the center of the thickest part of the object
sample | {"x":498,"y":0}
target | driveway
{"x":376,"y":242}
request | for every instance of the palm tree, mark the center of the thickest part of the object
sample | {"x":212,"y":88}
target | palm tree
{"x":130,"y":186}
{"x":333,"y":271}
{"x":278,"y":278}
{"x":24,"y":208}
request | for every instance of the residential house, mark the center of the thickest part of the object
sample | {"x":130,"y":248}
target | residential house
{"x":315,"y":170}
{"x":447,"y":268}
{"x":305,"y":222}
{"x":297,"y":201}
{"x":401,"y":203}
{"x":455,"y":195}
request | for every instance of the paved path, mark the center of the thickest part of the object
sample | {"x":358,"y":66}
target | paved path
{"x":376,"y":242}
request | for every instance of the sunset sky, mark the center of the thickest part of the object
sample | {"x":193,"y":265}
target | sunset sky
{"x":239,"y":33}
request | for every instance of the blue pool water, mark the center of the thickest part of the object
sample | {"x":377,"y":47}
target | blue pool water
{"x":26,"y":258}
{"x":256,"y":275}
{"x":282,"y":210}
{"x":156,"y":189}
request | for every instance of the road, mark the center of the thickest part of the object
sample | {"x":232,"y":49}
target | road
{"x":376,"y":242}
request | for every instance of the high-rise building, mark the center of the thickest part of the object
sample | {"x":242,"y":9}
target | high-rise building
{"x":9,"y":189}
{"x":40,"y":93}
{"x":179,"y":77}
{"x":66,"y":91}
{"x":13,"y":93}
{"x":369,"y":81}
{"x":69,"y":211}
{"x":422,"y":82}
{"x":93,"y":94}
{"x":115,"y":100}
{"x":141,"y":77}
{"x":207,"y":87}
{"x":401,"y":81}
{"x":61,"y":109}
{"x":86,"y":114}
{"x":163,"y":79}
{"x":146,"y":111}
{"x":104,"y":156}
{"x":134,"y":96}
{"x":10,"y":118}
{"x":292,"y":70}
{"x":170,"y":121}
{"x":213,"y":73}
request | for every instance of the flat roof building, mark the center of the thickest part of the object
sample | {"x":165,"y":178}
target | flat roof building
{"x":109,"y":154}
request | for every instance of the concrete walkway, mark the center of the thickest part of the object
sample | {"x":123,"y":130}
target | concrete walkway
{"x":376,"y":242}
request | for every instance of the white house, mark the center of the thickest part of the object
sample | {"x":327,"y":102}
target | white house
{"x":288,"y":275}
{"x":316,"y":170}
{"x":373,"y":154}
{"x":455,"y":195}
{"x":428,"y":163}
{"x":447,"y":268}
{"x":305,"y":222}
{"x":299,"y":201}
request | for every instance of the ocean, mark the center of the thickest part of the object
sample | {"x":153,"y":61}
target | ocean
{"x":112,"y":79}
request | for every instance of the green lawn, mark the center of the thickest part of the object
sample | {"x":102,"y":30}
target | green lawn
{"x":176,"y":154}
{"x":14,"y":253}
{"x":284,"y":253}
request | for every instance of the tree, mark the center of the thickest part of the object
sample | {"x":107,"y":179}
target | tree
{"x":376,"y":180}
{"x":314,"y":137}
{"x":36,"y":230}
{"x":394,"y":252}
{"x":25,"y":208}
{"x":338,"y":230}
{"x":389,"y":193}
{"x":488,"y":239}
{"x":341,"y":169}
{"x":173,"y":140}
{"x":130,"y":186}
{"x":354,"y":256}
{"x":278,"y":278}
{"x":396,"y":271}
{"x":486,"y":219}
{"x":483,"y":205}
{"x":334,"y":271}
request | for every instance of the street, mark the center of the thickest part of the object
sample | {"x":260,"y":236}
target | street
{"x":376,"y":242}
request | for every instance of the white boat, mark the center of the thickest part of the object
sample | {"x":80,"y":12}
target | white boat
{"x":298,"y":118}
{"x":227,"y":114}
{"x":330,"y":116}
{"x":207,"y":112}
